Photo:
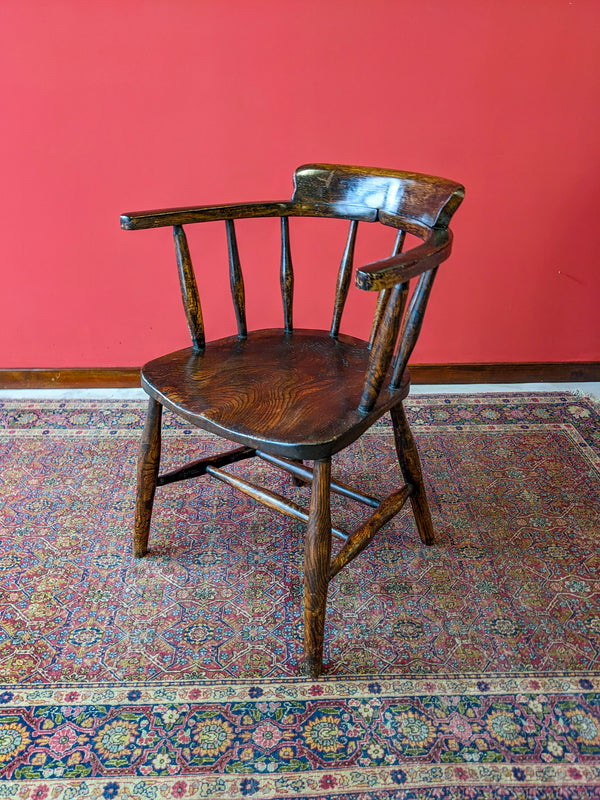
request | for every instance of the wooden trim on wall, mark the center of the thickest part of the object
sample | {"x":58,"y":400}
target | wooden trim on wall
{"x":525,"y":372}
{"x":129,"y":377}
{"x":71,"y":378}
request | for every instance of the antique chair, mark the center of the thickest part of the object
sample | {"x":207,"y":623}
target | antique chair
{"x":292,"y":395}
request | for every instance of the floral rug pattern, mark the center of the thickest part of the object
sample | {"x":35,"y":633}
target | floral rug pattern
{"x":468,"y":669}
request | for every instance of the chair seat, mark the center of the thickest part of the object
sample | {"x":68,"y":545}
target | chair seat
{"x":291,"y":394}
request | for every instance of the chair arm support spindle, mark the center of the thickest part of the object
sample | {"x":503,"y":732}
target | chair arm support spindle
{"x":383,"y":348}
{"x":384,"y":294}
{"x":411,"y":325}
{"x":382,"y":300}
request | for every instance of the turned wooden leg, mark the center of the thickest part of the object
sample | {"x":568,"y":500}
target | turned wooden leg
{"x":147,"y":472}
{"x":317,"y":555}
{"x":410,"y":465}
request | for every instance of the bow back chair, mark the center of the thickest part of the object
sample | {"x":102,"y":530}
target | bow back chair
{"x":291,"y":395}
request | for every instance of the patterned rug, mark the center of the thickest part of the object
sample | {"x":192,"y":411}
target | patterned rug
{"x":468,"y":669}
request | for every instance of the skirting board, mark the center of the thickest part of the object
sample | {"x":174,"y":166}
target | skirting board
{"x":128,"y":377}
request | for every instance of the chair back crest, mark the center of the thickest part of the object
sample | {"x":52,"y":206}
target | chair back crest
{"x":423,"y":198}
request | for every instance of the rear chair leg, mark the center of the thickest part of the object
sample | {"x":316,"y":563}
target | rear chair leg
{"x":410,"y":465}
{"x":298,"y":481}
{"x":317,"y":555}
{"x":147,"y":473}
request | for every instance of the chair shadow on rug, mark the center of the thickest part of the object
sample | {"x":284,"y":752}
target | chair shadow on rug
{"x":293,"y":395}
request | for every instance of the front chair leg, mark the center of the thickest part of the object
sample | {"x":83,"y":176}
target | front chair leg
{"x":317,"y":555}
{"x":410,"y":464}
{"x":147,"y":473}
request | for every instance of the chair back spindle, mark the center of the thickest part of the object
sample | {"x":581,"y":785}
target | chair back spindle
{"x":189,"y":289}
{"x":384,"y":294}
{"x":286,"y":276}
{"x":236,"y":280}
{"x":343,"y":279}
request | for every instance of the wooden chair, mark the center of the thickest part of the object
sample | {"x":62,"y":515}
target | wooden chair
{"x":294,"y":395}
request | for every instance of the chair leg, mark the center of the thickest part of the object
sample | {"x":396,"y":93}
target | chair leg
{"x":410,"y":464}
{"x":147,"y":473}
{"x":317,"y":556}
{"x":298,"y":481}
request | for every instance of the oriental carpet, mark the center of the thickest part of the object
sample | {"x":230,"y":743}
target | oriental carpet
{"x":468,"y":669}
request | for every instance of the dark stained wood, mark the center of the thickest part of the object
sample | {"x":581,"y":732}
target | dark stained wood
{"x":296,"y":481}
{"x":286,"y":276}
{"x":363,"y":536}
{"x":71,"y":378}
{"x":407,"y":224}
{"x":189,"y":289}
{"x":317,"y":556}
{"x":382,"y":300}
{"x":424,"y":198}
{"x":158,"y":218}
{"x":467,"y":373}
{"x":266,"y":497}
{"x":339,"y":210}
{"x":410,"y":464}
{"x":236,"y":280}
{"x":384,"y":294}
{"x":197,"y":468}
{"x":502,"y":372}
{"x":383,"y":348}
{"x":403,"y":267}
{"x":147,"y":472}
{"x":343,"y":280}
{"x":306,"y":476}
{"x":293,"y":395}
{"x":140,"y":220}
{"x":412,"y":322}
{"x":399,"y":243}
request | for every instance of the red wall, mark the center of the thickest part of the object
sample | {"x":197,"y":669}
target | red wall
{"x":116,"y":106}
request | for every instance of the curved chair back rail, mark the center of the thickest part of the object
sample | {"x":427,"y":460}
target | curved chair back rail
{"x":292,"y":395}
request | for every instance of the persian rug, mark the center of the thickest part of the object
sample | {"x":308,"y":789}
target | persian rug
{"x":467,"y":669}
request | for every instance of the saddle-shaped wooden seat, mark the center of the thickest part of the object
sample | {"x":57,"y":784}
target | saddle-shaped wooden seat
{"x":296,"y":394}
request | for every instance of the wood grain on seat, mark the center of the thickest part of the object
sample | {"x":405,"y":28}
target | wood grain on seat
{"x":296,"y":393}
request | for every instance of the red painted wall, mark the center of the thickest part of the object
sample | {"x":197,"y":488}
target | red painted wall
{"x":113,"y":106}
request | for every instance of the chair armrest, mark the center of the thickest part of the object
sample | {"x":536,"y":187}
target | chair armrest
{"x":390,"y":271}
{"x":138,"y":220}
